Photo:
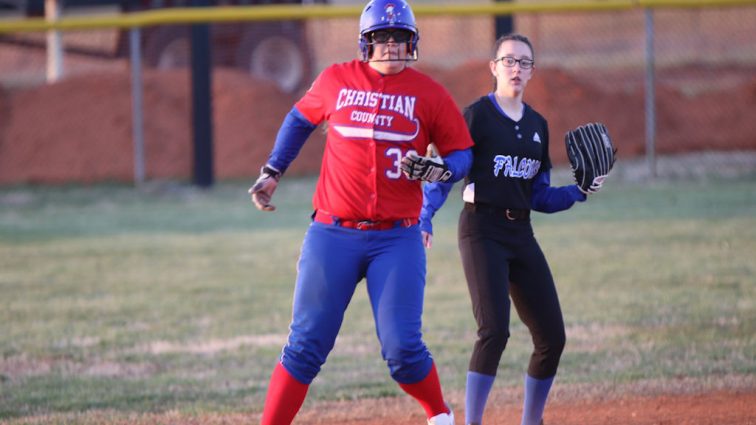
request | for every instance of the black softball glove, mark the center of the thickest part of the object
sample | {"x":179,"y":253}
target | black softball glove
{"x":591,"y":155}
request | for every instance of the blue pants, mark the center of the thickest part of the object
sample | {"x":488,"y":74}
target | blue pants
{"x":332,"y":262}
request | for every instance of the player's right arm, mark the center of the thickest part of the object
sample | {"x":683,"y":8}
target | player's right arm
{"x":297,"y":126}
{"x":292,"y":135}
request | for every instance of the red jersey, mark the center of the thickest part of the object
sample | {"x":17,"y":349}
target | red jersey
{"x":373,"y":121}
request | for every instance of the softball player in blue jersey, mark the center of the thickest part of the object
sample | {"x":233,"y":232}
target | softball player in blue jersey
{"x":500,"y":255}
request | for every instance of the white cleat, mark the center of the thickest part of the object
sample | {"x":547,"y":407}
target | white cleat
{"x":442,"y":419}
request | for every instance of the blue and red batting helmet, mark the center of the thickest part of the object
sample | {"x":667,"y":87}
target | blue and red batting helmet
{"x":387,"y":14}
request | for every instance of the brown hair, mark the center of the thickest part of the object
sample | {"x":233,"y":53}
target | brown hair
{"x":510,"y":37}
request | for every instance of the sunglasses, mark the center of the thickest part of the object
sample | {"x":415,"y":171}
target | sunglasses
{"x":509,"y":62}
{"x":383,"y":36}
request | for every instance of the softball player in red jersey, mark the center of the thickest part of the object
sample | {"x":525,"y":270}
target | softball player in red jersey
{"x":381,"y":114}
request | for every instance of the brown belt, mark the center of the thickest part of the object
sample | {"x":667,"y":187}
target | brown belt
{"x":508,"y":213}
{"x":325,"y":218}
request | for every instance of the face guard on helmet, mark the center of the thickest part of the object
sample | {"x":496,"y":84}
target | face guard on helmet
{"x":387,"y":15}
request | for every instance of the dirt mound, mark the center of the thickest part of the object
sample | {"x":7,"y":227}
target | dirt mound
{"x":80,"y":130}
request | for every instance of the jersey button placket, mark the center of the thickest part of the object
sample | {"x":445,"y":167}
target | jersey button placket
{"x":373,"y":176}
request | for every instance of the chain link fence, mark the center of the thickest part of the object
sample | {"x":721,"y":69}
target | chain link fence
{"x":590,"y":66}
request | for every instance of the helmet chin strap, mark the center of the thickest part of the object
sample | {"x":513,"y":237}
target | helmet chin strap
{"x":408,"y":58}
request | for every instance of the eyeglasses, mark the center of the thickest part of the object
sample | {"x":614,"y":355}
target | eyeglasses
{"x":509,"y":62}
{"x":383,"y":36}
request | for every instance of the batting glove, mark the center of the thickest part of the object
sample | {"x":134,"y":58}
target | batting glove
{"x":264,"y":187}
{"x":427,"y":169}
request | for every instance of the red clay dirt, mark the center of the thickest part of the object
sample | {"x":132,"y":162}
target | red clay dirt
{"x":79,"y":130}
{"x":719,"y":408}
{"x":713,"y":408}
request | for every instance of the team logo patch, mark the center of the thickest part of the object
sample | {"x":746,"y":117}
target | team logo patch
{"x":508,"y":166}
{"x":390,"y":15}
{"x":377,"y":115}
{"x":536,"y":138}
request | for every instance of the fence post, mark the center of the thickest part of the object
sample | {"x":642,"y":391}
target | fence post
{"x":54,"y":43}
{"x":137,"y":110}
{"x":650,"y":95}
{"x":504,"y":24}
{"x":202,"y":101}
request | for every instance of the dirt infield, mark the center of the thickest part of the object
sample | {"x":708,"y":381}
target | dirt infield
{"x":700,"y":409}
{"x":681,"y":401}
{"x":720,"y":407}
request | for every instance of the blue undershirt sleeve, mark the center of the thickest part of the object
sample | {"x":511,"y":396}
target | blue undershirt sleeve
{"x":435,"y":194}
{"x":549,"y":199}
{"x":292,"y":135}
{"x":459,"y":163}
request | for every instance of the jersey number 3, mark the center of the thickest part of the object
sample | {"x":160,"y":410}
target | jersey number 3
{"x":396,"y":155}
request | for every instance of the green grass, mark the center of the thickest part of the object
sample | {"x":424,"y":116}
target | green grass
{"x":175,"y":298}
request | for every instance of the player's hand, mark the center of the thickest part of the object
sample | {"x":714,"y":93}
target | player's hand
{"x":423,"y":168}
{"x":262,"y":190}
{"x":426,"y":227}
{"x":427,"y":239}
{"x":598,"y":181}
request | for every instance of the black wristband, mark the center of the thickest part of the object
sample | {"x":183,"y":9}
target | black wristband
{"x":267,"y":169}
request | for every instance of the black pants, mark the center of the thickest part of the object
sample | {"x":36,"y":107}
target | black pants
{"x":502,"y":258}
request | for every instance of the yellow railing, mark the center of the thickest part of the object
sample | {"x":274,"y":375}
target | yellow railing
{"x":297,"y":12}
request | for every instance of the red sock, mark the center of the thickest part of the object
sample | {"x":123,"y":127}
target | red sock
{"x":285,"y":397}
{"x":428,"y":393}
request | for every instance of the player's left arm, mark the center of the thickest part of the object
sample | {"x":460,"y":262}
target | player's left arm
{"x":450,"y":138}
{"x":548,"y":199}
{"x":454,"y":144}
{"x":545,"y":198}
{"x":434,"y":197}
{"x":459,"y":163}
